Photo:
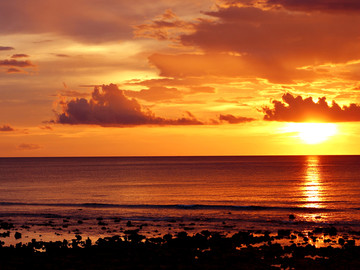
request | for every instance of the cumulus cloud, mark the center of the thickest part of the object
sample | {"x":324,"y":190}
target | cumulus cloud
{"x":231,"y":119}
{"x":28,"y":146}
{"x":6,"y":128}
{"x":6,"y":48}
{"x":298,"y":109}
{"x":108,"y":106}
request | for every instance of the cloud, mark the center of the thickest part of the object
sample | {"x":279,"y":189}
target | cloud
{"x":155,"y":93}
{"x":6,"y":128}
{"x":19,"y":55}
{"x":108,"y":106}
{"x":163,"y":27}
{"x":225,"y":65}
{"x":231,"y":119}
{"x":270,"y":43}
{"x":191,"y":85}
{"x":318,"y":5}
{"x":297,"y":109}
{"x":46,"y":127}
{"x":87,"y":21}
{"x":28,"y":146}
{"x":279,"y":36}
{"x":6,"y":48}
{"x":16,"y":63}
{"x":14,"y":70}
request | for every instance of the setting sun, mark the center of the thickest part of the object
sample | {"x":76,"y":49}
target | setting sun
{"x":313,"y":133}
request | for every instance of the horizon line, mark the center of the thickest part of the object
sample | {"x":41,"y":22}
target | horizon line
{"x":177,"y":156}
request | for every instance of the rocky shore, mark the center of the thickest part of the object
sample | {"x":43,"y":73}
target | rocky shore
{"x":320,"y":248}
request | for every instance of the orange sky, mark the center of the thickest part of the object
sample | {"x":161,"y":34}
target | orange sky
{"x":215,"y":77}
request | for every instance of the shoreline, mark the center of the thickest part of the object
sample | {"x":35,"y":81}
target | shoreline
{"x":202,"y":250}
{"x":155,"y":246}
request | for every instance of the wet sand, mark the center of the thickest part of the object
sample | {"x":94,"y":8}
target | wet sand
{"x":113,"y":243}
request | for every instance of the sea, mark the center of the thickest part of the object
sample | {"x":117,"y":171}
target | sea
{"x":50,"y":198}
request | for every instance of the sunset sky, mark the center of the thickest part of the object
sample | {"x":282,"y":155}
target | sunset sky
{"x":179,"y":77}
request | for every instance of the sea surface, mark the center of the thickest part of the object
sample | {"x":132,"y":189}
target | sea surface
{"x":173,"y":193}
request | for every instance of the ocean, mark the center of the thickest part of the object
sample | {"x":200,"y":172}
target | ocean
{"x":52,"y":197}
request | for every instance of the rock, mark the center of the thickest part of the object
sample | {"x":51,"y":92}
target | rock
{"x":129,"y":224}
{"x":332,"y":231}
{"x":341,"y":241}
{"x":17,"y":235}
{"x":284,"y":233}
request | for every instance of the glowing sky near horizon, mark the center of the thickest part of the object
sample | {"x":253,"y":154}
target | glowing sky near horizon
{"x":215,"y":77}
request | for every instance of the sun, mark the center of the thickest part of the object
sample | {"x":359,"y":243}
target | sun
{"x":312,"y":133}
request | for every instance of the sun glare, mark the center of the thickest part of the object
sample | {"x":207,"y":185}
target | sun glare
{"x":312,"y":133}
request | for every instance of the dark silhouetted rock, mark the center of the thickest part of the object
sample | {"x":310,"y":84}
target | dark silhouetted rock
{"x":129,"y":224}
{"x":341,"y":241}
{"x":17,"y":235}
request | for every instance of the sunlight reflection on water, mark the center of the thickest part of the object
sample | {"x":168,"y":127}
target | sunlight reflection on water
{"x":312,"y":188}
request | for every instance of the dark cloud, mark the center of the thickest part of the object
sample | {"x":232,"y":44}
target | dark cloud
{"x":6,"y":128}
{"x":108,"y":106}
{"x":155,"y":93}
{"x":231,"y":119}
{"x":16,"y":63}
{"x":28,"y":146}
{"x":318,"y":5}
{"x":19,"y":55}
{"x":297,"y":109}
{"x":6,"y":48}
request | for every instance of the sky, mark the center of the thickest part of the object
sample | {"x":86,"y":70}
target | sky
{"x":206,"y":77}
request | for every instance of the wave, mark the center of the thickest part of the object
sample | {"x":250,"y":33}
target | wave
{"x":178,"y":206}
